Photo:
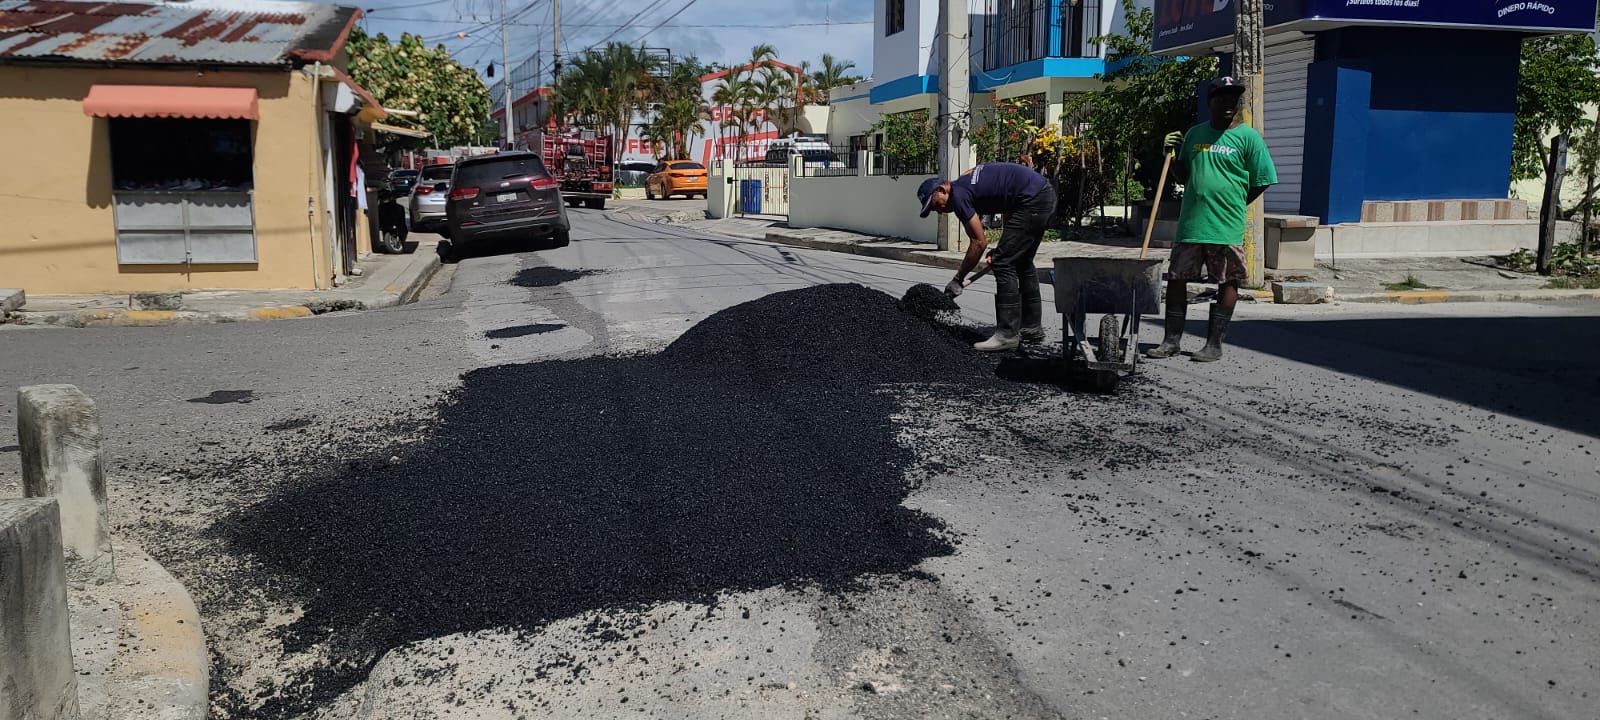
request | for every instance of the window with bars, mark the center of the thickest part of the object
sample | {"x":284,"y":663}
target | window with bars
{"x":894,"y":17}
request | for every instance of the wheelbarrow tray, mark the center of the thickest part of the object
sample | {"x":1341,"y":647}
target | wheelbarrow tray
{"x":1123,"y":286}
{"x":1121,"y":289}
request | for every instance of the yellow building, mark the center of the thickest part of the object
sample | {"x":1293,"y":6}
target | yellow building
{"x":203,"y":145}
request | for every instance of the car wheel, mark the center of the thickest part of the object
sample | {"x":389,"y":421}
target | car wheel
{"x":595,"y":203}
{"x":561,"y":239}
{"x":647,"y":194}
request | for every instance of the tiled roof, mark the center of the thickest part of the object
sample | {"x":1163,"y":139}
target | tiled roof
{"x":236,"y":32}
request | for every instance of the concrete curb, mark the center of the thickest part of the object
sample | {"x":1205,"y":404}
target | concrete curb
{"x":165,"y":672}
{"x":1423,"y":297}
{"x":932,"y":258}
{"x":390,"y":296}
{"x":409,"y":293}
{"x":1414,"y":297}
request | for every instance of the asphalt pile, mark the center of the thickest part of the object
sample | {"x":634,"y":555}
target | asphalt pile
{"x":930,"y":303}
{"x":756,"y":451}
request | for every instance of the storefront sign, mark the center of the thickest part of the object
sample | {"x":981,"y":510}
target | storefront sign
{"x":1185,"y":22}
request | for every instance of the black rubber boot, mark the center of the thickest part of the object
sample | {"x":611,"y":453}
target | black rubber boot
{"x":1032,"y":305}
{"x":1176,"y":315}
{"x":1007,"y":335}
{"x":1220,"y":318}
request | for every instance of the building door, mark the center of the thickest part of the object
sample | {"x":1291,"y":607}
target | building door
{"x":1285,"y":97}
{"x":344,"y":205}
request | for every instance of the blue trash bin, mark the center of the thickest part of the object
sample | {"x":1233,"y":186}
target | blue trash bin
{"x":750,"y":197}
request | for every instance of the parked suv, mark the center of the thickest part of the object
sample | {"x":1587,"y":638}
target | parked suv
{"x":428,"y":199}
{"x":507,"y":195}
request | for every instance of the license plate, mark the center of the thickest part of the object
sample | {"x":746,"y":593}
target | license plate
{"x":505,"y":197}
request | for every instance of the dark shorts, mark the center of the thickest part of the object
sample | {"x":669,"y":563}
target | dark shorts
{"x":1205,"y":262}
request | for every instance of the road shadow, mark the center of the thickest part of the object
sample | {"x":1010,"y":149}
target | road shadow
{"x":449,"y":253}
{"x":1542,"y":369}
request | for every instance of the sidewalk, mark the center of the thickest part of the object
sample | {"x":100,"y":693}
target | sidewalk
{"x":1365,"y":281}
{"x":386,"y":281}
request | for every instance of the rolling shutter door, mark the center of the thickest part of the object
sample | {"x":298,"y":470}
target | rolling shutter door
{"x":1285,"y":98}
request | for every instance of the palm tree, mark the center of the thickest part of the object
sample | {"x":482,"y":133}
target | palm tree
{"x":834,"y":73}
{"x":733,"y":94}
{"x":679,"y":108}
{"x":775,"y":93}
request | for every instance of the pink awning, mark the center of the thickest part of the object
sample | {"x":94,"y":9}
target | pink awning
{"x":171,"y":101}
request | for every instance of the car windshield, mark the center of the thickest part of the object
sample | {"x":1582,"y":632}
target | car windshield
{"x":437,"y":172}
{"x":403,"y":174}
{"x":498,"y":169}
{"x":688,"y":166}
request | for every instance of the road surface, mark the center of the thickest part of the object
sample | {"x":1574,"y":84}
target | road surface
{"x":1362,"y":512}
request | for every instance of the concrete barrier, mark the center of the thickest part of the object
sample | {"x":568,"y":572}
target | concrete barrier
{"x":58,"y":428}
{"x":36,"y":673}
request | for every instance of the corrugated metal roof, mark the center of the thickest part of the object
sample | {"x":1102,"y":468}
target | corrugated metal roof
{"x":243,"y":32}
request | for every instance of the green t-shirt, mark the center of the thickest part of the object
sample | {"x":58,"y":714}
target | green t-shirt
{"x":1223,"y":166}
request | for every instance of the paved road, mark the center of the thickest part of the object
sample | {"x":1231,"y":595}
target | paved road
{"x":1363,"y":512}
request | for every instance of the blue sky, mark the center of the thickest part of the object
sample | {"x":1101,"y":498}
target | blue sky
{"x":715,"y":30}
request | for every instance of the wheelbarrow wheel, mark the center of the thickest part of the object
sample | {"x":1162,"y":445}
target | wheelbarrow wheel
{"x":1111,"y":349}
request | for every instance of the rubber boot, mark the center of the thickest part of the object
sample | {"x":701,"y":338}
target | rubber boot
{"x":1176,"y":315}
{"x":1006,"y":336}
{"x":1220,"y":318}
{"x":1032,"y":307}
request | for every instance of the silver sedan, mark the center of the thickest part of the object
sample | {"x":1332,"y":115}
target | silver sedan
{"x":427,"y":201}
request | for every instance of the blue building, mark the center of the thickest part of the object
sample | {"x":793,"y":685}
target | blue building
{"x":1390,"y":120}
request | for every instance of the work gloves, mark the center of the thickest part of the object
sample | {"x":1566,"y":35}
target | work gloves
{"x":954,"y":288}
{"x":1173,"y":141}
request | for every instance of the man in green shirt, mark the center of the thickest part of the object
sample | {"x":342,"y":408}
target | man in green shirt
{"x":1224,"y":166}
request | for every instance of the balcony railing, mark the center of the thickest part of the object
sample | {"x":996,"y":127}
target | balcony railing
{"x":1019,"y":31}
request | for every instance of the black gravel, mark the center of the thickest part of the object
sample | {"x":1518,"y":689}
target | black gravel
{"x":517,"y":331}
{"x":755,"y":451}
{"x":226,"y":397}
{"x":930,"y":303}
{"x":546,"y":276}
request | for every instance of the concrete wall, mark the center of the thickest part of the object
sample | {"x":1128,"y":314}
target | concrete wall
{"x":1428,"y":239}
{"x":59,"y":234}
{"x":878,"y":205}
{"x":36,"y":674}
{"x":58,"y":429}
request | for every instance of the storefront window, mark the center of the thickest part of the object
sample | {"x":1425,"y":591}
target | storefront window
{"x":183,"y":189}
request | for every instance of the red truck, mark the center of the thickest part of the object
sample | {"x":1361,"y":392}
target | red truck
{"x":581,"y":160}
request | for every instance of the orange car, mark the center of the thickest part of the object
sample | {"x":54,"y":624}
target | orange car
{"x":676,"y":177}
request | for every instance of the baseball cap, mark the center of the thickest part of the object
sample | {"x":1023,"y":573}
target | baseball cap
{"x":925,"y":193}
{"x":1225,"y":85}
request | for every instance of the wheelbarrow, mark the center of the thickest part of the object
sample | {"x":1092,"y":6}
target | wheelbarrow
{"x":1118,"y":289}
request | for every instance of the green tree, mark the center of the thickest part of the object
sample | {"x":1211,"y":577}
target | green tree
{"x":833,"y":73}
{"x":1558,"y":85}
{"x":451,"y":101}
{"x":1143,"y":97}
{"x":679,"y":110}
{"x":910,"y":141}
{"x":1006,"y":134}
{"x":607,"y":88}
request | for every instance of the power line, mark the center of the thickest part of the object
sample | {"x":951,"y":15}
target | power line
{"x":669,"y":19}
{"x":752,"y":26}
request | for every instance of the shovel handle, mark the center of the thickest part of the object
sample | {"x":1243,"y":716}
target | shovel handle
{"x":1155,"y":207}
{"x":980,"y":273}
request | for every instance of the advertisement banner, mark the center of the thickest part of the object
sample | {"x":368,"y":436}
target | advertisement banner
{"x":1183,"y":22}
{"x":1506,"y":14}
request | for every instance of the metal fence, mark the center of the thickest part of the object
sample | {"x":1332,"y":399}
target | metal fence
{"x":837,"y":161}
{"x":884,"y":165}
{"x":1020,"y":31}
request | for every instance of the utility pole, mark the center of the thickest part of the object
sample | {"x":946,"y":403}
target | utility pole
{"x":954,"y":99}
{"x":505,"y":80}
{"x":1249,"y":65}
{"x":555,"y":18}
